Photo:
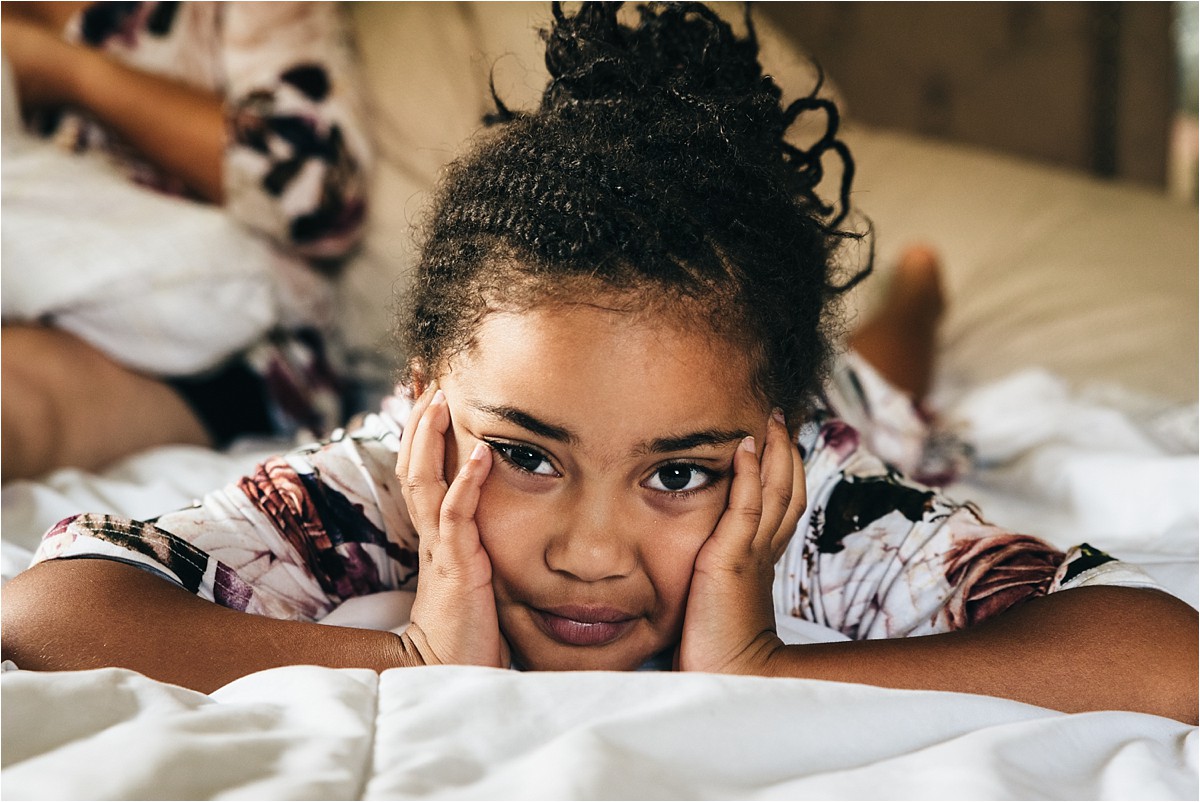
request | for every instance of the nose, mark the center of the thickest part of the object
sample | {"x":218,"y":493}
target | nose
{"x":591,"y":543}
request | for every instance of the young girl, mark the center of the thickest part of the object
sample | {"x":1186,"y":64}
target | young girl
{"x":616,"y":456}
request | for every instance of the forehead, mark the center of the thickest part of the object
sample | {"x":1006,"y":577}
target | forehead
{"x":609,"y":370}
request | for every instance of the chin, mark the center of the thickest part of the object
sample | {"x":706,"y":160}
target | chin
{"x":556,"y":657}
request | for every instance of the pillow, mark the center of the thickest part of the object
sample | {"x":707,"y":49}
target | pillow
{"x":161,"y":284}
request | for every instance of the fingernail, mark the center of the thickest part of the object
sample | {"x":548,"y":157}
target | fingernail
{"x":478,"y":451}
{"x":748,"y":443}
{"x":438,"y":398}
{"x":777,"y":414}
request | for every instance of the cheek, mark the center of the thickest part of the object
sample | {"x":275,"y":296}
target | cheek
{"x":669,"y":551}
{"x":508,"y":526}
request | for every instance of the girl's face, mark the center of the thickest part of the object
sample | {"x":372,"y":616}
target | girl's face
{"x":613,"y":438}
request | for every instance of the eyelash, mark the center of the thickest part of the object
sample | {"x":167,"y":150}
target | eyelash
{"x":504,"y":451}
{"x":713,"y":477}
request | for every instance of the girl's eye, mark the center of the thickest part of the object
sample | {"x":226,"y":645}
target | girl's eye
{"x":679,"y":478}
{"x":524,"y":458}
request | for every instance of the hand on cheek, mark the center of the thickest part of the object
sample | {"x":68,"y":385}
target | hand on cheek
{"x":729,"y":621}
{"x":454,"y":615}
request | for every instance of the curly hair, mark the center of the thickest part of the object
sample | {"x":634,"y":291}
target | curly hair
{"x":655,"y":170}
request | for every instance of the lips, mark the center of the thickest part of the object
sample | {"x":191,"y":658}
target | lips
{"x":584,"y":626}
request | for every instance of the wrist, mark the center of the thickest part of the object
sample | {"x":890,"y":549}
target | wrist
{"x":412,"y":649}
{"x":768,"y":656}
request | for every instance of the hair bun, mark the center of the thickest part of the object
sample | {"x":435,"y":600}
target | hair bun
{"x":682,"y":48}
{"x":684,"y":56}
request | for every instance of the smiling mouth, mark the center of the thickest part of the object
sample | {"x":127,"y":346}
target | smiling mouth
{"x":584,"y":626}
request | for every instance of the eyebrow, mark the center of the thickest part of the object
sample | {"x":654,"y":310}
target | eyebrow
{"x":526,"y":421}
{"x":707,"y":437}
{"x":659,"y":445}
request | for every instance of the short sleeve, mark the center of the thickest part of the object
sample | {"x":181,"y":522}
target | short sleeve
{"x":877,"y":555}
{"x":294,"y":539}
{"x":298,"y":156}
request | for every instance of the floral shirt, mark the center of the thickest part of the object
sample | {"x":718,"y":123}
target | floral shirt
{"x":874,"y":556}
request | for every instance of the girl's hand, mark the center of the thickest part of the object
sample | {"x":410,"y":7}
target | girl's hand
{"x":454,"y":615}
{"x":729,"y":622}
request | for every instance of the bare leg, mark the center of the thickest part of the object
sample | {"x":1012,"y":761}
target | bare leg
{"x":66,"y":403}
{"x":900,"y":339}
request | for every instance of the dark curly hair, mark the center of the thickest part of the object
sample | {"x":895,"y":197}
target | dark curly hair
{"x":655,"y":171}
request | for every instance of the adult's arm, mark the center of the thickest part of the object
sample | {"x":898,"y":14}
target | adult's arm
{"x":177,"y":127}
{"x":281,"y":143}
{"x":180,"y":128}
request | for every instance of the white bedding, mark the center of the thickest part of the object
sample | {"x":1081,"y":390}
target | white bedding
{"x":472,"y":733}
{"x":1092,"y":286}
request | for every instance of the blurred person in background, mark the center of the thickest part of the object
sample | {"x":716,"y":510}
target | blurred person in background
{"x":251,"y":107}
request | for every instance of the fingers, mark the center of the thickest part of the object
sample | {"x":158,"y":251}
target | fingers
{"x":745,"y":496}
{"x":768,"y":496}
{"x":776,"y":475}
{"x":420,"y":466}
{"x":799,"y":503}
{"x":457,"y":531}
{"x":738,"y":525}
{"x":785,"y":494}
{"x":410,"y":429}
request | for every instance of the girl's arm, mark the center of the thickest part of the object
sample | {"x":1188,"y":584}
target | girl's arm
{"x":76,"y":614}
{"x":275,"y":551}
{"x":1090,"y":648}
{"x":216,"y":590}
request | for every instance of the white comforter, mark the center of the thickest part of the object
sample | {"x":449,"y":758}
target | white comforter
{"x":451,"y":732}
{"x":305,"y":732}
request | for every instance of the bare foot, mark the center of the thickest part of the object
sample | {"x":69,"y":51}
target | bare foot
{"x":901,"y":337}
